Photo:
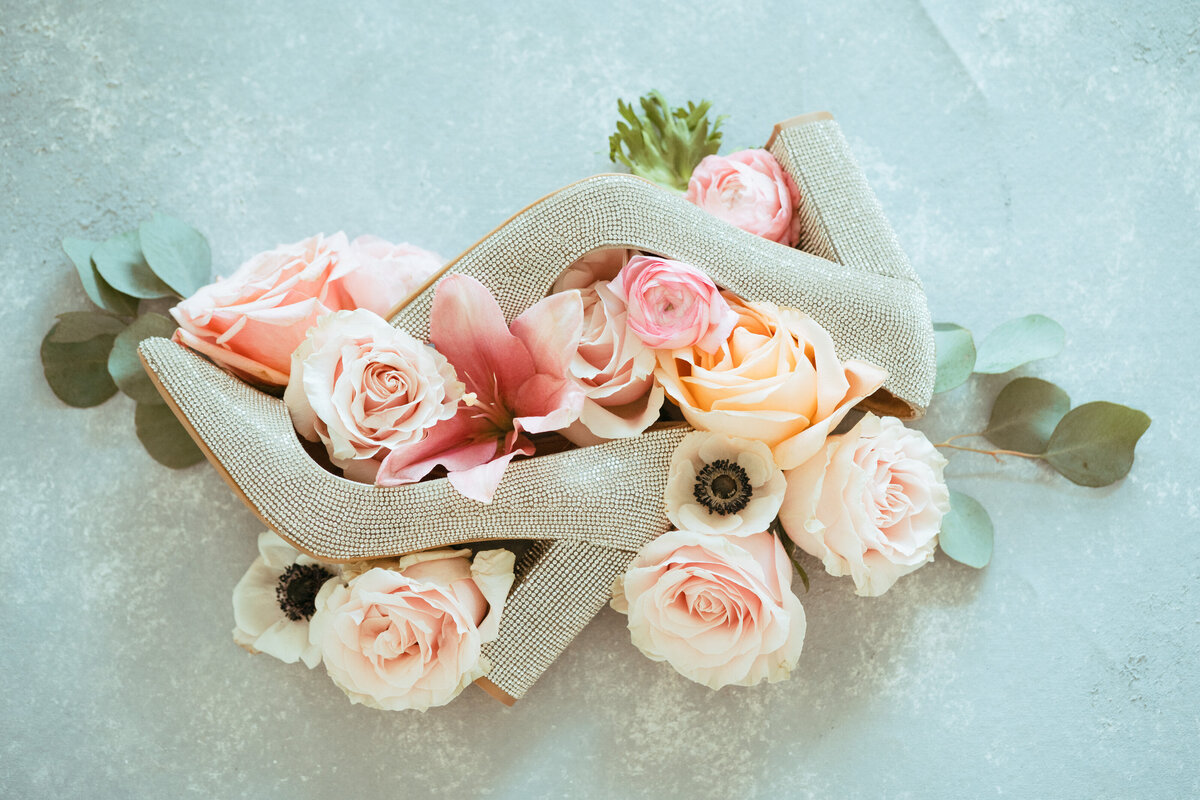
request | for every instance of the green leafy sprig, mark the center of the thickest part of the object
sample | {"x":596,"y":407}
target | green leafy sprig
{"x":1089,"y":445}
{"x":88,"y":355}
{"x":664,"y":144}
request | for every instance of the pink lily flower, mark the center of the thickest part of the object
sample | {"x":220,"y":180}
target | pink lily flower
{"x":518,"y":375}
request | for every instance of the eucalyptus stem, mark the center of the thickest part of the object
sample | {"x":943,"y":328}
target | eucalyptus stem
{"x":993,"y":453}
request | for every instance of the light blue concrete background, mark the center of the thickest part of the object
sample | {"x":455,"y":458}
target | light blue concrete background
{"x":1033,"y":157}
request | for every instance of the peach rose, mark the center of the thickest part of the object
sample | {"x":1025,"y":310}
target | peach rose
{"x":412,"y":636}
{"x":869,"y":504}
{"x":719,"y":610}
{"x":388,"y":274}
{"x":750,"y":190}
{"x":250,"y":322}
{"x":612,"y":365}
{"x":362,"y":388}
{"x":776,"y":379}
{"x":672,"y":304}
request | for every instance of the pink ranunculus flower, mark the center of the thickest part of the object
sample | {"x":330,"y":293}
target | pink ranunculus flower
{"x":750,"y":190}
{"x":869,"y":504}
{"x":411,"y":636}
{"x":388,"y":274}
{"x":612,"y":366}
{"x":720,"y":610}
{"x":673,"y":305}
{"x":362,"y":387}
{"x":777,"y":379}
{"x":518,"y":377}
{"x":252,"y":321}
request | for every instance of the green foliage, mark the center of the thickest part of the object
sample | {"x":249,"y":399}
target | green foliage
{"x":77,"y":370}
{"x":120,"y":261}
{"x":124,"y":365}
{"x":98,"y":291}
{"x":177,"y":253}
{"x":83,"y":326}
{"x":1093,"y":444}
{"x":164,"y":438}
{"x":955,"y":355}
{"x":1025,"y":413}
{"x":664,"y":144}
{"x":967,"y":534}
{"x":1018,"y":342}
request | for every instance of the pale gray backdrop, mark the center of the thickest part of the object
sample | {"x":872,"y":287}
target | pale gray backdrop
{"x":1034,"y":156}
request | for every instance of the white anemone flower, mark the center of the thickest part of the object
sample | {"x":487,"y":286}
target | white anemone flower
{"x":275,"y":599}
{"x":722,"y":485}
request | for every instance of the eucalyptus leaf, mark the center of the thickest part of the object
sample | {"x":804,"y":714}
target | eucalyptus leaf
{"x":124,"y":365}
{"x":164,"y":438}
{"x":177,"y":253}
{"x":83,"y":326}
{"x":78,"y":371}
{"x":1025,"y":413}
{"x":98,"y":290}
{"x":955,"y":355}
{"x":967,"y":535}
{"x":1018,"y":342}
{"x":121,"y":263}
{"x":1093,"y":444}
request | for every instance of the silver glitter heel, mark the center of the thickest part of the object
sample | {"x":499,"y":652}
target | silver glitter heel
{"x":589,"y":509}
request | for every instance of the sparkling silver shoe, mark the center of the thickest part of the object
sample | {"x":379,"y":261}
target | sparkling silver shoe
{"x":590,"y":509}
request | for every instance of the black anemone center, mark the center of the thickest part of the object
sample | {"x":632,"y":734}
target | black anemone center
{"x":297,"y":589}
{"x":723,"y":487}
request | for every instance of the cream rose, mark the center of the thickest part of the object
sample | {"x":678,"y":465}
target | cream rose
{"x":362,"y":387}
{"x":718,"y":484}
{"x":719,"y":610}
{"x":750,"y":190}
{"x":411,"y":637}
{"x":869,"y":504}
{"x":776,"y":379}
{"x":612,"y":365}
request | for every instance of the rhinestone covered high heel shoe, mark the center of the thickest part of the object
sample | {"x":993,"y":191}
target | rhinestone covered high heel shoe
{"x":589,"y":509}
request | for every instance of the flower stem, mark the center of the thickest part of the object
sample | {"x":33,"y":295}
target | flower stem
{"x":993,"y":453}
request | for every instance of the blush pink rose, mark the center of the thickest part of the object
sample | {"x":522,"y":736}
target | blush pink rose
{"x":250,"y":322}
{"x":362,"y":388}
{"x":869,"y":504}
{"x":719,"y":610}
{"x":777,"y":379}
{"x":612,"y":365}
{"x":750,"y":190}
{"x":673,"y":305}
{"x":411,"y":636}
{"x":388,"y":274}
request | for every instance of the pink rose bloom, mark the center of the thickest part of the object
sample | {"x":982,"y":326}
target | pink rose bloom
{"x":612,"y":366}
{"x":673,"y":305}
{"x":869,"y":504}
{"x":411,"y":636}
{"x":750,"y":190}
{"x":717,"y":609}
{"x":388,"y":274}
{"x":250,"y":322}
{"x":777,"y":379}
{"x":362,"y":387}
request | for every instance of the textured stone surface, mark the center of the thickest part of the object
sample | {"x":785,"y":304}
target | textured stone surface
{"x":1032,"y":156}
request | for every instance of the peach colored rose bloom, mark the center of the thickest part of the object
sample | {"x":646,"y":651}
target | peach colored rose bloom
{"x":869,"y":504}
{"x":250,"y":322}
{"x":612,"y":365}
{"x":719,"y":610}
{"x":387,"y":274}
{"x":776,"y":379}
{"x":672,"y":304}
{"x":362,"y":388}
{"x":411,"y":637}
{"x":750,"y":190}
